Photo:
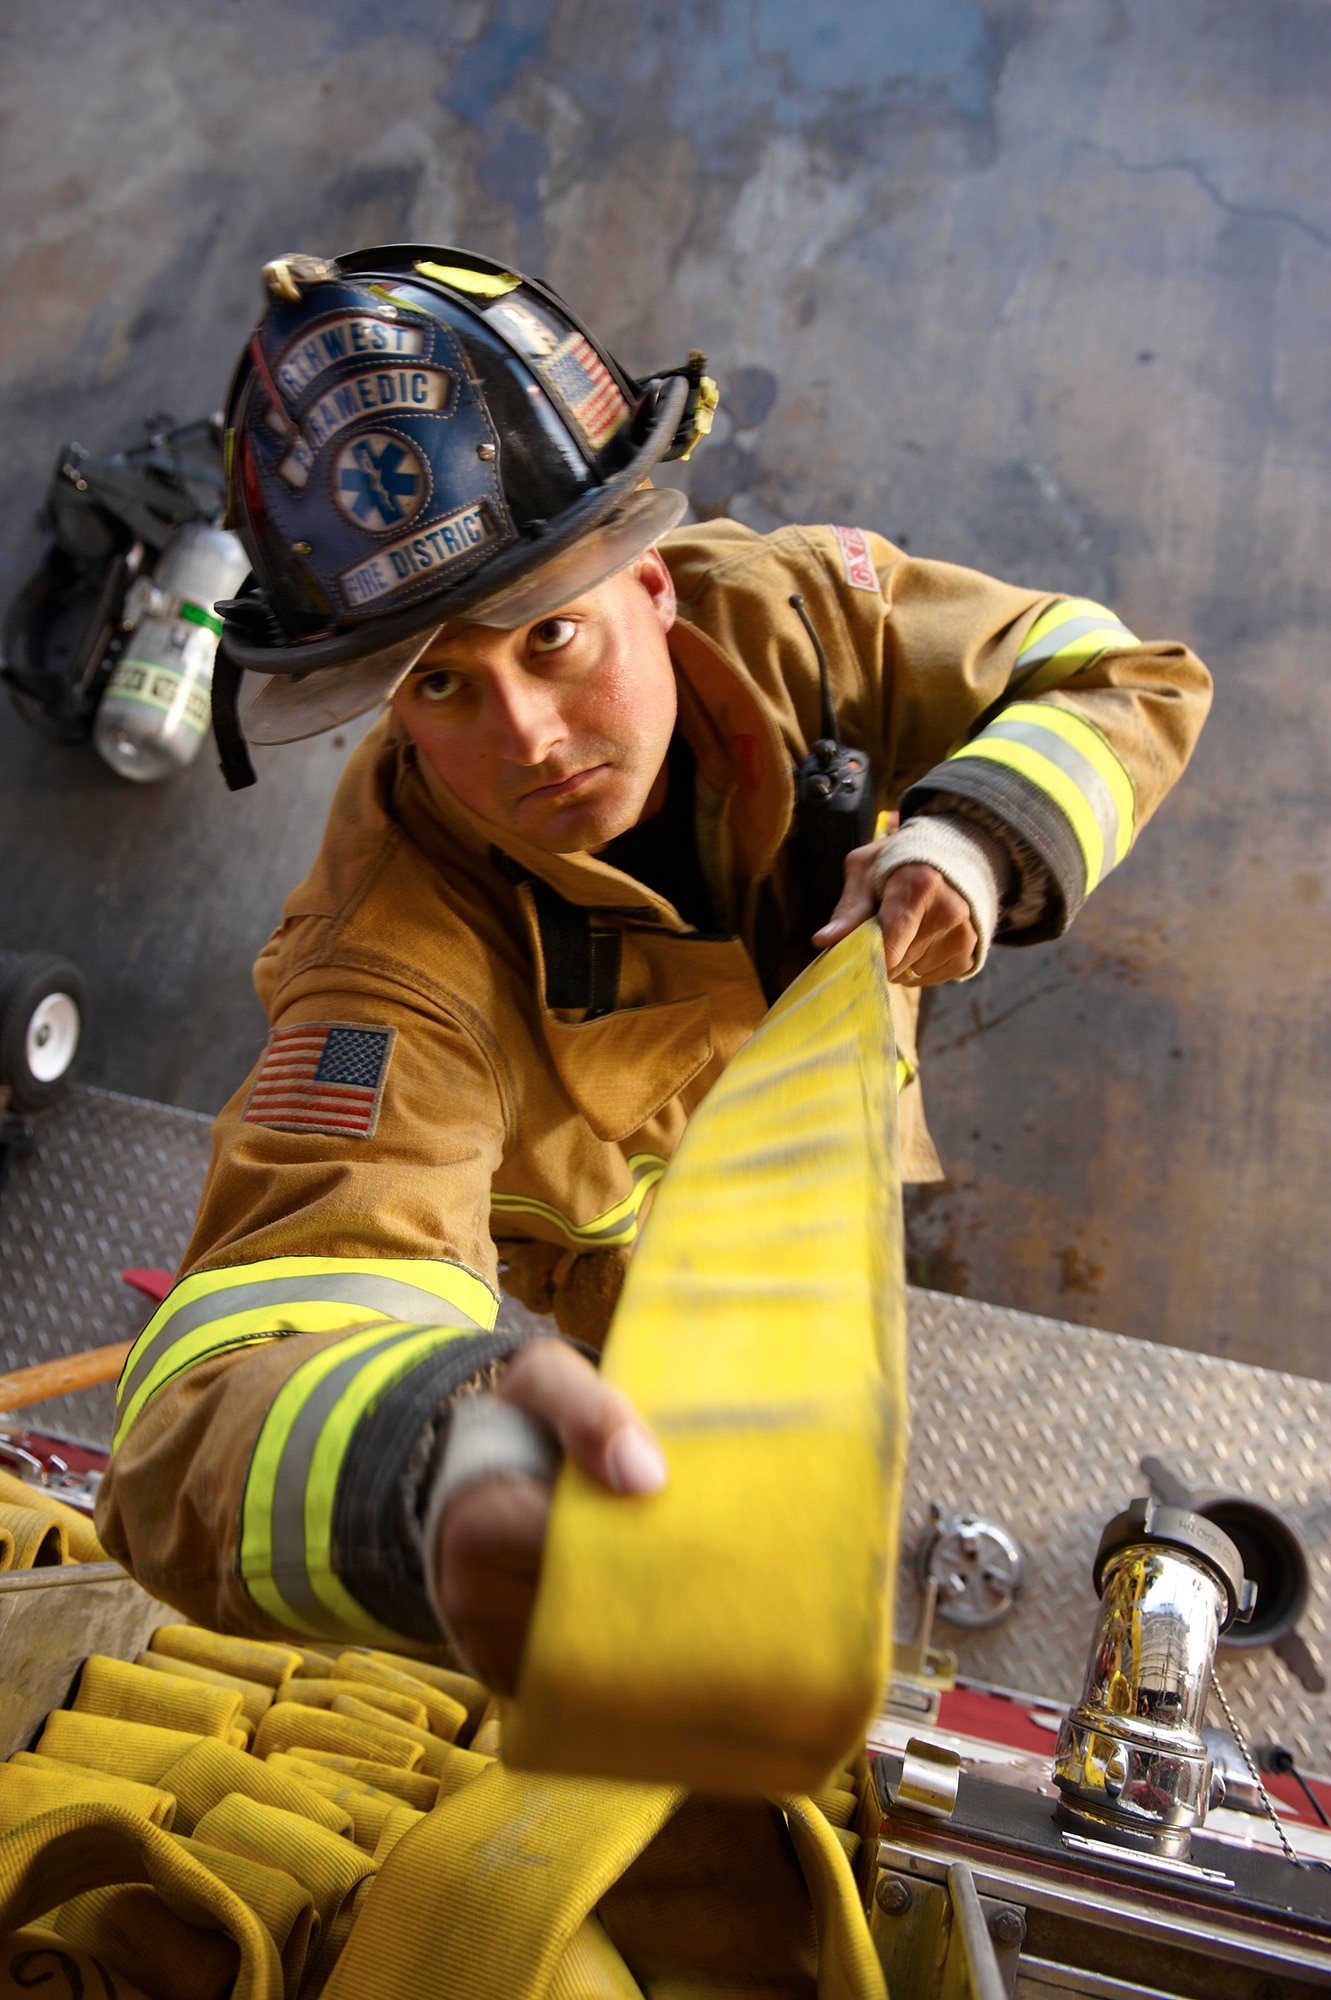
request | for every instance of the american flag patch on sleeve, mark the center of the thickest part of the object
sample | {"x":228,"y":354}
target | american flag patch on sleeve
{"x":322,"y":1076}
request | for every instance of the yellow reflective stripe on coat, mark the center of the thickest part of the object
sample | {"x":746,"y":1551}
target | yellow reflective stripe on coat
{"x":1065,"y":639}
{"x":731,"y":1632}
{"x":614,"y":1229}
{"x":285,"y":1548}
{"x":212,"y":1311}
{"x":1068,"y":760}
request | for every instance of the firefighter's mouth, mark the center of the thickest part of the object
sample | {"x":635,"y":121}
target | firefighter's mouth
{"x":564,"y":788}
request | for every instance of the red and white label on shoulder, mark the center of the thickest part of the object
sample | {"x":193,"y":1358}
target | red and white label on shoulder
{"x":856,"y":558}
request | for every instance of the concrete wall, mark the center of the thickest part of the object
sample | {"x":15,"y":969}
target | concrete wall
{"x":1038,"y":285}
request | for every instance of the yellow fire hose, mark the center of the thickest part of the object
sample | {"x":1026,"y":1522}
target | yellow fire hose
{"x":731,"y":1633}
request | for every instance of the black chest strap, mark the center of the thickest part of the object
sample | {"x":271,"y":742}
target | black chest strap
{"x":581,"y":957}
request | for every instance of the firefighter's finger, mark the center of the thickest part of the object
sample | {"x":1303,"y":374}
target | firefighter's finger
{"x":595,"y":1422}
{"x":858,"y":899}
{"x":489,"y":1558}
{"x":903,"y":912}
{"x":920,"y":908}
{"x":948,"y":956}
{"x":945,"y":943}
{"x":948,"y":929}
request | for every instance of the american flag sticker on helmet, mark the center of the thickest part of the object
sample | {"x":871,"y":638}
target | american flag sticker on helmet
{"x":322,"y":1076}
{"x":585,"y":386}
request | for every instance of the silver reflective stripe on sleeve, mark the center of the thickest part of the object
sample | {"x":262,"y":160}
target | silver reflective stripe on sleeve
{"x":285,"y":1553}
{"x":212,"y":1311}
{"x":1063,"y":641}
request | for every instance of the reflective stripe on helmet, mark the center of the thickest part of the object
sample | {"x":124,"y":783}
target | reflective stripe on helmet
{"x":1070,"y":764}
{"x":1065,"y":639}
{"x":213,"y":1311}
{"x":614,"y":1229}
{"x":285,"y":1554}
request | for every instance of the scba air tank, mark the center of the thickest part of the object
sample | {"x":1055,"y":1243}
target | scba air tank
{"x":155,"y":711}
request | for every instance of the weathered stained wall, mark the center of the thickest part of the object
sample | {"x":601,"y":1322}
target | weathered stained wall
{"x":1041,"y":287}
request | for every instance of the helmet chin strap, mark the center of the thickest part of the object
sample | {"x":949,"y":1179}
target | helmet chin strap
{"x":232,"y":751}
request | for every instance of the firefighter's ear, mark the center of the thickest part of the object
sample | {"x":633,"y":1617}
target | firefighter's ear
{"x":657,"y":581}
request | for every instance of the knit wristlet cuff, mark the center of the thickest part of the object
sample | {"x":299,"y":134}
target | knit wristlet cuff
{"x":487,"y":1438}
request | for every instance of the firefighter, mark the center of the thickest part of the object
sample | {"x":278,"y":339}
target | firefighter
{"x":562,"y":879}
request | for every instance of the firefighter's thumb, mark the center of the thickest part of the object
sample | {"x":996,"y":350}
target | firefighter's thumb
{"x":593,"y":1420}
{"x":858,"y":899}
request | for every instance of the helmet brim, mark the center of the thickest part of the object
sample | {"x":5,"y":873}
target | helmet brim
{"x":630,"y":531}
{"x":288,"y":707}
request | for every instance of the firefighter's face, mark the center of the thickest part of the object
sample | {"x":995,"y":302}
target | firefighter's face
{"x":558,"y":731}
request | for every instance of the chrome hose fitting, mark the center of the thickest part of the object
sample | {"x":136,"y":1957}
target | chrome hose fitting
{"x":1130,"y":1762}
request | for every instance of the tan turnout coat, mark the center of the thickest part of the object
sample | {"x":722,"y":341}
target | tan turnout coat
{"x":512,"y":1132}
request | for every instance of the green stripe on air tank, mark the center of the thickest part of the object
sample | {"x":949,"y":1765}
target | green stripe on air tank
{"x":194,"y":614}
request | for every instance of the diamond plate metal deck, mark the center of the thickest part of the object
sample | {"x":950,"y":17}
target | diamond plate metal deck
{"x":1034,"y":1421}
{"x":112,"y":1183}
{"x":1040,"y":1425}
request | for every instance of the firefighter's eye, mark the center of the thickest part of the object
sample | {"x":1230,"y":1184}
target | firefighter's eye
{"x":437,"y":686}
{"x":552,"y":634}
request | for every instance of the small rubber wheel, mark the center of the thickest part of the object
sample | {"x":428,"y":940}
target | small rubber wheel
{"x":41,"y":1025}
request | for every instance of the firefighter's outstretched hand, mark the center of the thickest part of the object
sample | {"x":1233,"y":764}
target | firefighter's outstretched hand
{"x":928,"y":936}
{"x":493,"y":1532}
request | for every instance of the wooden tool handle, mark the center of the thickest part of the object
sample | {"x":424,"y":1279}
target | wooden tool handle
{"x":58,"y":1378}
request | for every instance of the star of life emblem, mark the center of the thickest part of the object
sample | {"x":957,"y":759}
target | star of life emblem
{"x":379,"y":481}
